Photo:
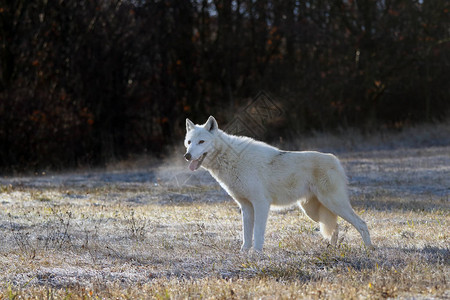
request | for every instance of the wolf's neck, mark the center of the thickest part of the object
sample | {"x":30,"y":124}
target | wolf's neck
{"x":226,"y":149}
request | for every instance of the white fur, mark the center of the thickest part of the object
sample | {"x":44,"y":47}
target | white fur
{"x":257,"y":175}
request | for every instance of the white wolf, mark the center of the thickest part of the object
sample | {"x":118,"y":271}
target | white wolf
{"x":258,"y":175}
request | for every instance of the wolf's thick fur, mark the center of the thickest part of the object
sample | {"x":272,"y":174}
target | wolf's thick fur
{"x":257,"y":175}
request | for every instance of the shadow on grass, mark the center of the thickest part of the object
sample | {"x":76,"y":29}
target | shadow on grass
{"x":385,"y":205}
{"x":432,"y":255}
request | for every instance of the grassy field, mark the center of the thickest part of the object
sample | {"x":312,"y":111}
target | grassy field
{"x":162,"y":232}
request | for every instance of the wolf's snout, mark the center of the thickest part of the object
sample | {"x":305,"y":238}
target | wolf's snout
{"x":188,"y":156}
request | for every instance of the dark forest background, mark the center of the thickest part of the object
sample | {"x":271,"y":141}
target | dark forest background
{"x":84,"y":81}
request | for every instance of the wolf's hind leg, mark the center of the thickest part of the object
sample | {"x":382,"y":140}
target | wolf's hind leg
{"x":328,"y":224}
{"x":311,"y":208}
{"x":334,"y":237}
{"x":339,"y":204}
{"x":350,"y":216}
{"x":319,"y":213}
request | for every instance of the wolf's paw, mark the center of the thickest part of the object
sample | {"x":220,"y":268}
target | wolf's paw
{"x":371,"y":248}
{"x":257,"y":254}
{"x":245,"y":249}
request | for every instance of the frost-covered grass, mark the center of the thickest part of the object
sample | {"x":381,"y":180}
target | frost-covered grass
{"x":166,"y":233}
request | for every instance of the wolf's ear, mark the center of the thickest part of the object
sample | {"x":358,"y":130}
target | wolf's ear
{"x":211,"y":125}
{"x":189,"y":125}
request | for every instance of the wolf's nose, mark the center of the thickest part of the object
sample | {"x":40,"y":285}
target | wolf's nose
{"x":188,"y":156}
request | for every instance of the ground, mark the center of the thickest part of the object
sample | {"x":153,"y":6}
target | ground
{"x":161,"y":231}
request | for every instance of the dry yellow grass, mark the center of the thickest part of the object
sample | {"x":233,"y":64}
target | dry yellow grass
{"x":166,"y":235}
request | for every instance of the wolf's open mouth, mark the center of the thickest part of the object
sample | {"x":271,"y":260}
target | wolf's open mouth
{"x":195,"y":164}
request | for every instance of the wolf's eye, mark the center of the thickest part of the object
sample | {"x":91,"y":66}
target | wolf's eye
{"x":201,"y":141}
{"x":189,"y":142}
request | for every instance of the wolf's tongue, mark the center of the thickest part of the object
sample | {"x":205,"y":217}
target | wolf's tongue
{"x":194,"y":165}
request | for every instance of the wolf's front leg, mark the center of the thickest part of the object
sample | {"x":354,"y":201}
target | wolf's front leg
{"x":261,"y":214}
{"x":247,"y":223}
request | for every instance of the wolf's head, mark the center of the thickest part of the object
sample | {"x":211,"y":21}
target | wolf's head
{"x":199,"y":141}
